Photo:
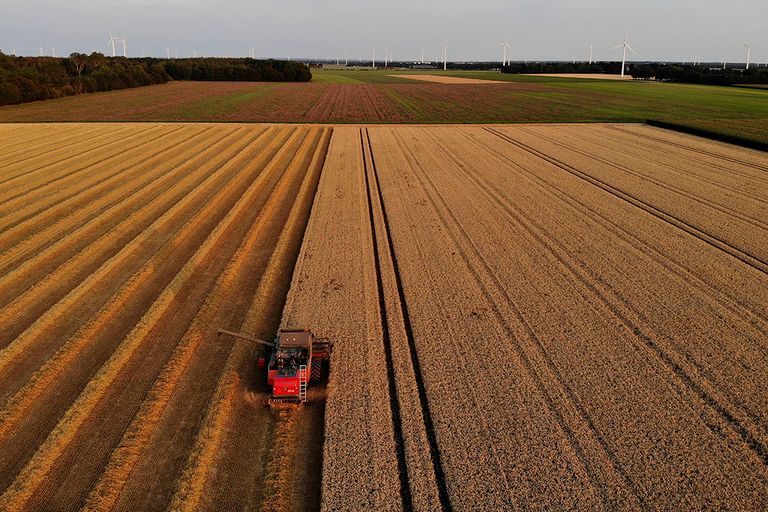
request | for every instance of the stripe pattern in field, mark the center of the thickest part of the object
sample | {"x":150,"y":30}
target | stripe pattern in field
{"x":124,"y":248}
{"x":540,"y":317}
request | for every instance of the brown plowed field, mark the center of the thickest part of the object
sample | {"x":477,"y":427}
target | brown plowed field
{"x":448,"y":79}
{"x":523,"y":317}
{"x":540,"y":317}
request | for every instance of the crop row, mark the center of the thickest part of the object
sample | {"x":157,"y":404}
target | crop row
{"x":587,"y":322}
{"x":99,"y":379}
{"x":574,"y":347}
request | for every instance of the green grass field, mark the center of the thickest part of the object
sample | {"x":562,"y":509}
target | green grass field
{"x":376,"y":96}
{"x":740,"y":112}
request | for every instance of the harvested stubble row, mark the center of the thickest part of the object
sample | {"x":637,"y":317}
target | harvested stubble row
{"x":106,"y":383}
{"x":578,"y":350}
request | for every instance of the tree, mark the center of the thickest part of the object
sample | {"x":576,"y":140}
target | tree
{"x":79,"y":61}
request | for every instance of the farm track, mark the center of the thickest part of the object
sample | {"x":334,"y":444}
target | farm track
{"x":749,"y":435}
{"x":742,"y":215}
{"x":475,"y":378}
{"x":409,"y":491}
{"x":336,"y":293}
{"x":670,"y":354}
{"x":673,"y":181}
{"x":554,"y":317}
{"x":142,"y":285}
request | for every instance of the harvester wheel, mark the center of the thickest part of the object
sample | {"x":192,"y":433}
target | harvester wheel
{"x":317,"y":370}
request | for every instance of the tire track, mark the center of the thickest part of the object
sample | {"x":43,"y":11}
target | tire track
{"x":732,"y":303}
{"x":640,"y":150}
{"x":434,"y":449}
{"x":394,"y":403}
{"x":472,"y":264}
{"x":758,"y":322}
{"x":689,"y":148}
{"x":752,"y":261}
{"x":705,"y":393}
{"x":645,"y":177}
{"x":642,"y":141}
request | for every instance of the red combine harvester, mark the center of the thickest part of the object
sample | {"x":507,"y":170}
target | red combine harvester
{"x":297,"y":358}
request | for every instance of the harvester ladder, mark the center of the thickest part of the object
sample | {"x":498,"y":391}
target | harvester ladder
{"x":303,"y":383}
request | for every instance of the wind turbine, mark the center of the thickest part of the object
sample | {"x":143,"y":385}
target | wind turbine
{"x":373,"y":58}
{"x":125,"y":46}
{"x":749,"y":53}
{"x":41,"y":50}
{"x":590,"y":53}
{"x":168,"y":53}
{"x":53,"y":51}
{"x":346,"y":57}
{"x":445,"y":56}
{"x":505,"y":45}
{"x":13,"y":52}
{"x":111,"y":41}
{"x":422,"y":55}
{"x":725,"y":61}
{"x":625,"y":46}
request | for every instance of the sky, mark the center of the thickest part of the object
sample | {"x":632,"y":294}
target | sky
{"x":679,"y":30}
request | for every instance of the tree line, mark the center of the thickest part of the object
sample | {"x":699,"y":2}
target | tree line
{"x":700,"y":74}
{"x":562,"y":67}
{"x":236,"y":70}
{"x":24,"y":79}
{"x":654,"y":71}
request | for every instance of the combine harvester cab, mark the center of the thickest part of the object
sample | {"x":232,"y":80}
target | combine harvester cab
{"x":297,"y":360}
